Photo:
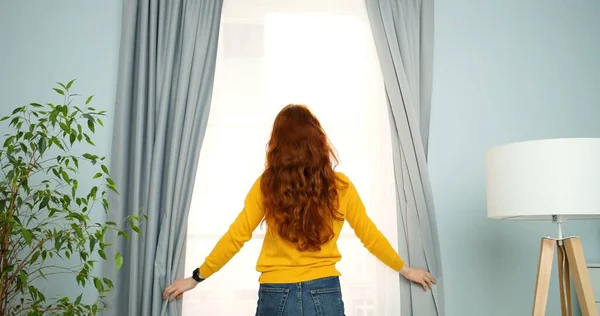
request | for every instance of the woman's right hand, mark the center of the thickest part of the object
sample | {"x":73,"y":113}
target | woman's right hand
{"x":177,"y":288}
{"x":420,"y":276}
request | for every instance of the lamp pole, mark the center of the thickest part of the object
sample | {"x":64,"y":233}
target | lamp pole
{"x":559,"y":221}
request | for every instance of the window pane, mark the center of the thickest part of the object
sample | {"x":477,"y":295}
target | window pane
{"x":272,"y":53}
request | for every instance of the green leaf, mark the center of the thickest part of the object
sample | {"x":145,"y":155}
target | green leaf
{"x":27,"y":235}
{"x":64,"y":127}
{"x":59,"y":91}
{"x":10,"y":175}
{"x":105,"y":169}
{"x":69,"y":84}
{"x":89,"y":99}
{"x":97,"y":175}
{"x":77,"y":230}
{"x":118,"y":260}
{"x":98,"y":284}
{"x":23,"y":276}
{"x":34,"y":257}
{"x":78,"y":299}
{"x":136,"y":228}
{"x":89,"y":140}
{"x":42,"y":144}
{"x":102,"y":254}
{"x":94,"y":191}
{"x":8,"y":141}
{"x":17,"y":110}
{"x":91,"y":126}
{"x":109,"y":283}
{"x":65,"y":176}
{"x":124,"y":234}
{"x":14,"y":121}
{"x":41,"y":296}
{"x":36,"y":105}
{"x":44,"y":202}
{"x":113,"y":188}
{"x":92,"y":243}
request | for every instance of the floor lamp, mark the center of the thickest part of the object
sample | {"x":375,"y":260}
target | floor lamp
{"x":554,"y":180}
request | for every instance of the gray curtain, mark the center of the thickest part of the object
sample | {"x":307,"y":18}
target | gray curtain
{"x":403,"y":33}
{"x":166,"y":71}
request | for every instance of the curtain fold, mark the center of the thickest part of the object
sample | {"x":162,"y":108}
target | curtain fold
{"x":166,"y":71}
{"x":403,"y":34}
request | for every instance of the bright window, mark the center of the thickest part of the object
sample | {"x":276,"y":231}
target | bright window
{"x":271,"y":53}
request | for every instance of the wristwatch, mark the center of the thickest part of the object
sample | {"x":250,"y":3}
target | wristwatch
{"x":196,"y":275}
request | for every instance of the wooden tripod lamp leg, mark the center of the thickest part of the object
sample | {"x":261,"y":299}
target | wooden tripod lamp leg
{"x":581,"y":276}
{"x":564,"y":281}
{"x":542,"y":285}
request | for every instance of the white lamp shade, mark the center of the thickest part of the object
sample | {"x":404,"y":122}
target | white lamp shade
{"x":537,"y":179}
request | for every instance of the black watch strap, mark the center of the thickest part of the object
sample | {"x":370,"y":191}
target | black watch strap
{"x":196,"y":275}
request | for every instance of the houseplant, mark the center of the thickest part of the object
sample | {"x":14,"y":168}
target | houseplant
{"x":46,"y":216}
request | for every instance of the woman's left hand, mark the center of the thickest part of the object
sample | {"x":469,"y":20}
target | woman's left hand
{"x":177,"y":288}
{"x":419,"y":276}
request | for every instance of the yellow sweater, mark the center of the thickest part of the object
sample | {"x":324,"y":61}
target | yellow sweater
{"x":280,"y":261}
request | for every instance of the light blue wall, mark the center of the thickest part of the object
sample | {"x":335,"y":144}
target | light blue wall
{"x":42,"y":42}
{"x":505,"y":71}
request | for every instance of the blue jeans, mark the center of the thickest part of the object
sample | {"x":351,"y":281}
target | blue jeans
{"x":321,"y":297}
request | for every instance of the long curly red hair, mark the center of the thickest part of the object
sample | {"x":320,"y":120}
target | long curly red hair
{"x":299,"y":184}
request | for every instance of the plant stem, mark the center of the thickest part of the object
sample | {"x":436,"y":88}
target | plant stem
{"x":5,"y":280}
{"x":6,"y":230}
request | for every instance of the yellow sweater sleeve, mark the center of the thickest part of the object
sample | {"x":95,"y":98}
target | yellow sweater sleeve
{"x":238,"y":234}
{"x":368,"y":233}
